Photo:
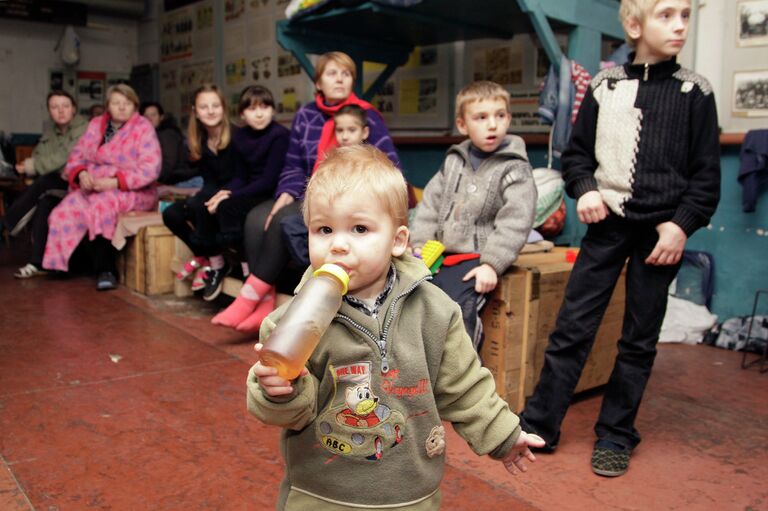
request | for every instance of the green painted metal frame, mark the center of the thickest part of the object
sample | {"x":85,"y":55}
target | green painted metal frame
{"x":590,"y":19}
{"x":301,"y":41}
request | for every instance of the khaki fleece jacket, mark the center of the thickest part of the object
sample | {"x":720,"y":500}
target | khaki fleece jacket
{"x":489,"y":211}
{"x":357,"y":436}
{"x":52,"y":150}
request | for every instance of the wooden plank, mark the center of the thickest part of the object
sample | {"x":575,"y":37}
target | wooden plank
{"x":158,"y":254}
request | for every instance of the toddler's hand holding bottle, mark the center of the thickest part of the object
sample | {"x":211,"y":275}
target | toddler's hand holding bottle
{"x":272,"y":384}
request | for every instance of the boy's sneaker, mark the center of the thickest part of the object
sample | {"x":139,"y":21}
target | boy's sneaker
{"x":106,"y":281}
{"x":214,"y":281}
{"x":610,"y":459}
{"x":198,"y":282}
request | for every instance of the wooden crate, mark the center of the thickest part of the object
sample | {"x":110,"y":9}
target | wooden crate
{"x":519,"y":317}
{"x":145,"y":262}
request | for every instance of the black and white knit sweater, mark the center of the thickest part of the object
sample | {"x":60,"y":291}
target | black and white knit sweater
{"x":646,"y":138}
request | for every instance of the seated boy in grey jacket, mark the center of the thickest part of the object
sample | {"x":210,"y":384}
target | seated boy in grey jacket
{"x":394,"y":363}
{"x":480,"y":205}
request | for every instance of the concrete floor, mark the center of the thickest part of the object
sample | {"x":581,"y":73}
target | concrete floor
{"x":119,"y":401}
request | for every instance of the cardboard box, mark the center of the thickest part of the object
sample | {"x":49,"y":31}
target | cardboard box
{"x":520,"y":315}
{"x":145,"y":262}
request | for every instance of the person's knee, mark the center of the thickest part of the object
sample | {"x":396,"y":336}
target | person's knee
{"x":47,"y":203}
{"x":172,"y":213}
{"x":256,"y":217}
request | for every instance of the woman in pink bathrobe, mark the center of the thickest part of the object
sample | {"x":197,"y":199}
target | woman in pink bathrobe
{"x":111,"y":170}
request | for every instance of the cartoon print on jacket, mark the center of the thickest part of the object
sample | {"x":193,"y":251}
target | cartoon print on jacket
{"x":359,"y":425}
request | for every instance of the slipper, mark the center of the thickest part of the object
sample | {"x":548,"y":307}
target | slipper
{"x":609,"y":462}
{"x":29,"y":271}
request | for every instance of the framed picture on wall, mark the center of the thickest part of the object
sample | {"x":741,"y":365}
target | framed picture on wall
{"x":752,"y":23}
{"x":750,"y":94}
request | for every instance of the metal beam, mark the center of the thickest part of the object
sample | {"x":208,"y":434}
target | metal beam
{"x":598,"y":15}
{"x":301,"y":41}
{"x":584,"y":46}
{"x":540,"y":23}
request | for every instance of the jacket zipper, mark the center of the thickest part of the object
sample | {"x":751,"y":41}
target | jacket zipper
{"x":645,"y":72}
{"x":381,"y":343}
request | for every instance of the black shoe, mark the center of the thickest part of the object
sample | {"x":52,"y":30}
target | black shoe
{"x":610,"y":459}
{"x":214,"y":281}
{"x":106,"y":281}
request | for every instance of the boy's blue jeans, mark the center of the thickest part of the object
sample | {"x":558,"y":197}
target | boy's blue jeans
{"x":604,"y":249}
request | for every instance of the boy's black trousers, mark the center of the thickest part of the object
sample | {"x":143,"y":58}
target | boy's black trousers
{"x":604,"y":250}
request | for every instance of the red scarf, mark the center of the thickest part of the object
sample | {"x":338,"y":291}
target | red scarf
{"x":327,"y":136}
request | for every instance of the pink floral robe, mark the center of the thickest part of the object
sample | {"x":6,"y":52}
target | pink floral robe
{"x":133,"y":157}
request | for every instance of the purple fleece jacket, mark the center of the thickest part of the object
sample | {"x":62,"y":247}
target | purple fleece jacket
{"x":264,"y":154}
{"x":305,"y":137}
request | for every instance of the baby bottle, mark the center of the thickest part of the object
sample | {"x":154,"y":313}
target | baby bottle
{"x":305,"y":321}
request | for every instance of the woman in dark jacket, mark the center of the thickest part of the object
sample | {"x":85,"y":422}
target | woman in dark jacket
{"x":176,"y":167}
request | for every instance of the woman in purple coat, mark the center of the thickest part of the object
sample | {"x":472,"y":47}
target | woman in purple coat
{"x":312,"y":135}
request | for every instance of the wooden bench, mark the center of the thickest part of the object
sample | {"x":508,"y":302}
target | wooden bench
{"x":144,"y":263}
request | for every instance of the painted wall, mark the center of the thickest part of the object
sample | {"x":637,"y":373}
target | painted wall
{"x":27,"y":55}
{"x":739,"y":243}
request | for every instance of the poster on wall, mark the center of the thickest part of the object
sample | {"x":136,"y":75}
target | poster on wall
{"x":752,"y":23}
{"x":233,"y":9}
{"x":503,"y":65}
{"x":750,"y":94}
{"x":524,"y":105}
{"x":90,"y":89}
{"x":417,"y":94}
{"x":519,"y":66}
{"x":176,"y":35}
{"x":202,"y":36}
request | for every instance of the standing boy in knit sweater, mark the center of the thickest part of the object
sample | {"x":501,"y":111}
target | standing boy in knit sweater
{"x":480,"y":205}
{"x":363,"y":421}
{"x":644,"y":165}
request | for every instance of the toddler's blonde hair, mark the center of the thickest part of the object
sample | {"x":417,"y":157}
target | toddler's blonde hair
{"x":355,"y":170}
{"x":477,"y":91}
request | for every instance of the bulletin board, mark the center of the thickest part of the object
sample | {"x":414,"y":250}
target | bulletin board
{"x":186,"y":55}
{"x":418,"y":95}
{"x":252,"y":56}
{"x":250,"y":53}
{"x":520,"y":65}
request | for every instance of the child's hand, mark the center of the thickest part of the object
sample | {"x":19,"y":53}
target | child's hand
{"x":416,"y":251}
{"x":514,"y":460}
{"x":669,"y":248}
{"x":485,"y":278}
{"x":282,"y":201}
{"x":213,"y":203}
{"x":591,"y":208}
{"x":272,"y":384}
